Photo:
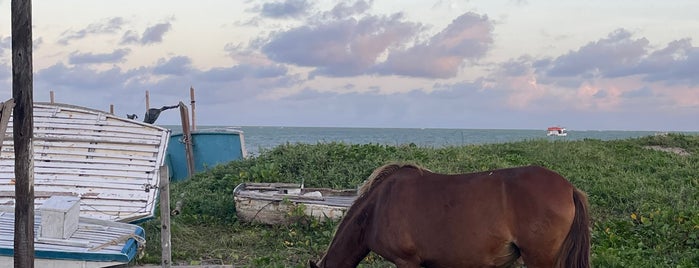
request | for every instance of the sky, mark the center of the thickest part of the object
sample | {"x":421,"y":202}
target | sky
{"x":470,"y":64}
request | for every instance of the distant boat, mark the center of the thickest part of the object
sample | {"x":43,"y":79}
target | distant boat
{"x":272,"y":203}
{"x":210,"y":147}
{"x":81,"y":241}
{"x":557,"y":131}
{"x":111,"y":163}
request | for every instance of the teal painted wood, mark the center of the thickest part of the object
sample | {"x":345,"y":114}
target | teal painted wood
{"x":92,"y":234}
{"x":210,"y":148}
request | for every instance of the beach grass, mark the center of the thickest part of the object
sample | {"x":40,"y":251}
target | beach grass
{"x":643,"y":194}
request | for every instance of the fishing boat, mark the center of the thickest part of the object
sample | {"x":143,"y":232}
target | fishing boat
{"x":210,"y":147}
{"x":111,"y":163}
{"x":275,"y":203}
{"x":557,"y":131}
{"x":67,"y":240}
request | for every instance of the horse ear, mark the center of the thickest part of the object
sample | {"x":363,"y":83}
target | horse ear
{"x":312,"y":264}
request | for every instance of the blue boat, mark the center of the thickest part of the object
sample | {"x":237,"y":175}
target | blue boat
{"x":210,"y":147}
{"x":94,"y":243}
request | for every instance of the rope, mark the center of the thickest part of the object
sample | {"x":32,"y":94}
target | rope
{"x":141,"y":242}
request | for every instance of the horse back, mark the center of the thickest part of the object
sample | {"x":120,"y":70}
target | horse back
{"x":478,"y":214}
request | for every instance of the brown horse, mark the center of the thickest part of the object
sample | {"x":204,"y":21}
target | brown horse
{"x":413,"y":217}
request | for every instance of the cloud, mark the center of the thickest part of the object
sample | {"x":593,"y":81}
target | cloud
{"x":620,"y":55}
{"x":240,"y":72}
{"x":81,"y":76}
{"x":468,"y":37}
{"x":608,"y":56}
{"x":642,"y":92}
{"x":153,"y":34}
{"x":677,"y":63}
{"x":105,"y":26}
{"x":340,"y":47}
{"x":344,"y":10}
{"x":118,"y":55}
{"x":179,"y":65}
{"x":285,"y":9}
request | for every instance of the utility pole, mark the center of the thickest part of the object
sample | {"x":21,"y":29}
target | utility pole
{"x":23,"y":132}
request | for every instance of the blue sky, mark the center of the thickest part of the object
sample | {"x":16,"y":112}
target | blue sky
{"x":510,"y":64}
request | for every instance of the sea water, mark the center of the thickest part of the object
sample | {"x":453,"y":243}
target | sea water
{"x":258,"y":138}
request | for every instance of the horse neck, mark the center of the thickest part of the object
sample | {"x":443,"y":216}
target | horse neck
{"x":347,"y":248}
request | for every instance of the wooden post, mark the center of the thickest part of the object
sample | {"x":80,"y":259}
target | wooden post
{"x":23,"y":132}
{"x":165,"y":241}
{"x":52,"y":99}
{"x":147,"y":100}
{"x":191,"y":96}
{"x":187,"y":137}
{"x":111,"y":108}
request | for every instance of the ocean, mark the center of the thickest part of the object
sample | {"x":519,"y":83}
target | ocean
{"x":267,"y":137}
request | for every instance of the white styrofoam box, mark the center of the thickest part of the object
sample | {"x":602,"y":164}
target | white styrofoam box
{"x":59,"y":217}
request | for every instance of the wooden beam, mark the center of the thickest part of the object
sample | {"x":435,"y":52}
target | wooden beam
{"x":191,"y":96}
{"x":5,"y":113}
{"x":147,"y":100}
{"x":187,"y":139}
{"x":23,"y":132}
{"x":165,"y":241}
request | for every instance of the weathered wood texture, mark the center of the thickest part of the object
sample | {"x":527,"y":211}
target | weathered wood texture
{"x":165,"y":241}
{"x":193,"y":104}
{"x":109,"y":242}
{"x":111,"y":163}
{"x":22,"y":92}
{"x":272,"y":203}
{"x":187,"y":136}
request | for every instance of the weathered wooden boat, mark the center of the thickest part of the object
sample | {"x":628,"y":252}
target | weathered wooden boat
{"x":211,"y":146}
{"x":274,"y":203}
{"x":72,"y":241}
{"x":111,"y":163}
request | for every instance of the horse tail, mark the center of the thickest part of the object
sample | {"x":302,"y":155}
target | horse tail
{"x":383,"y":172}
{"x":575,"y":251}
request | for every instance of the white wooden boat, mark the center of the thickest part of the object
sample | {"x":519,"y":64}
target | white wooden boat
{"x":94,"y":243}
{"x":272,"y":203}
{"x":111,"y":163}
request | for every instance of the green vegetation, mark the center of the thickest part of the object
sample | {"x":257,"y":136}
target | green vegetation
{"x":644,"y":203}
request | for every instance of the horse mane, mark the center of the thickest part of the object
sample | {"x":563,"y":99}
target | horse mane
{"x":383,"y":172}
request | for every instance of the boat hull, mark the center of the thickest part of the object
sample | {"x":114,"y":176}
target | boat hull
{"x":96,"y":243}
{"x":270,"y":203}
{"x":210,"y":148}
{"x":111,"y":163}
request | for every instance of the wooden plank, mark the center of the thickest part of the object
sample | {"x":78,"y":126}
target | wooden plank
{"x":94,"y":133}
{"x":78,"y":145}
{"x":51,"y":123}
{"x":165,"y":241}
{"x":87,"y":193}
{"x":94,"y":166}
{"x":187,"y":137}
{"x":5,"y":112}
{"x":99,"y":139}
{"x":70,"y":179}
